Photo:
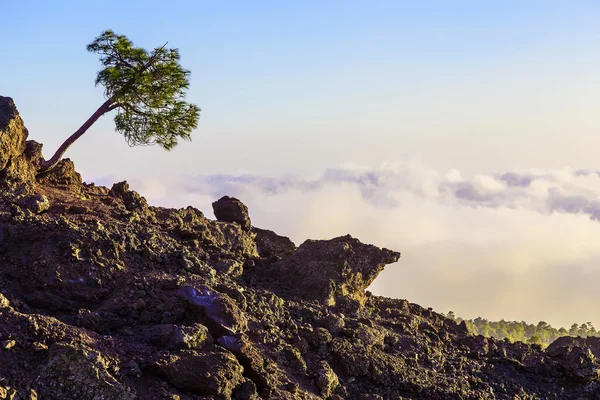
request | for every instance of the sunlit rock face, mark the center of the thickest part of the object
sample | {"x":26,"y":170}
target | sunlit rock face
{"x":18,"y":157}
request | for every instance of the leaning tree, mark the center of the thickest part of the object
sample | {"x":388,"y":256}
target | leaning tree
{"x":147,"y":89}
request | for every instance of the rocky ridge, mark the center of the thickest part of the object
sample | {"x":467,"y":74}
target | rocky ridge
{"x":103,"y":296}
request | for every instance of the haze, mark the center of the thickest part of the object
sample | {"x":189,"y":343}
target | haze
{"x":464,"y":135}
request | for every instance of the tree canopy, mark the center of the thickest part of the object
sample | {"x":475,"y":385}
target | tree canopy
{"x":147,"y":89}
{"x":542,"y":333}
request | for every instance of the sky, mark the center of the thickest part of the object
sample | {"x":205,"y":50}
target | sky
{"x":463,"y":134}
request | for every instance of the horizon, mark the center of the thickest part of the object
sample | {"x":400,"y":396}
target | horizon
{"x":463,"y":136}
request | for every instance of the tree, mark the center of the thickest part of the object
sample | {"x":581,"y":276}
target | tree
{"x":535,"y":339}
{"x":574,"y":330}
{"x":147,"y":89}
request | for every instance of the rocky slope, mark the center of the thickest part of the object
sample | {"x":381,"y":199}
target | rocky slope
{"x":105,"y":297}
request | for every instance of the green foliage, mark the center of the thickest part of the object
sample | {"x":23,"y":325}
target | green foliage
{"x":147,"y":89}
{"x":542,"y":333}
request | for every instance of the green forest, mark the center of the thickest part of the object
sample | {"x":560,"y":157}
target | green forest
{"x":542,"y":333}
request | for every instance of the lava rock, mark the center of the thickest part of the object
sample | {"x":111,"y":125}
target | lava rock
{"x":77,"y":372}
{"x":575,"y":358}
{"x":169,"y":336}
{"x":37,"y":203}
{"x":215,"y":373}
{"x":327,"y":381}
{"x":64,"y":176}
{"x":4,"y":303}
{"x":270,"y":244}
{"x":17,"y":171}
{"x":215,"y":310}
{"x":230,"y":209}
{"x":326,"y":270}
{"x":132,"y":200}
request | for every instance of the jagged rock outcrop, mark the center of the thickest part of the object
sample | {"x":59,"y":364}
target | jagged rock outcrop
{"x":103,"y":296}
{"x":63,"y":176}
{"x":269,"y":244}
{"x":17,"y":160}
{"x":330,"y":270}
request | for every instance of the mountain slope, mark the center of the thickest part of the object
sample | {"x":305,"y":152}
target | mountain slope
{"x":106,"y":297}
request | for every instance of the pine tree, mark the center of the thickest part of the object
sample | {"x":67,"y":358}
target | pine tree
{"x":147,"y":89}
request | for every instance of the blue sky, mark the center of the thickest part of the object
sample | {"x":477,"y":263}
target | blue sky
{"x":351,"y":81}
{"x":418,"y":110}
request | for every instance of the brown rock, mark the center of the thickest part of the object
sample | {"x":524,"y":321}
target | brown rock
{"x":214,"y":373}
{"x":326,"y":270}
{"x":270,"y":244}
{"x":230,"y":209}
{"x":131,"y":199}
{"x":36,"y":203}
{"x":4,"y":303}
{"x":248,"y":355}
{"x":79,"y":373}
{"x":64,"y":176}
{"x":327,"y":381}
{"x":215,"y":310}
{"x":17,"y":172}
{"x":169,"y":336}
{"x":575,"y":358}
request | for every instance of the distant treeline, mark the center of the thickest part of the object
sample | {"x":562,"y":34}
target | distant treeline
{"x":542,"y":333}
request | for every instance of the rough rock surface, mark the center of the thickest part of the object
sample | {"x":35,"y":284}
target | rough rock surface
{"x":17,"y":160}
{"x":329,"y":270}
{"x":230,"y":209}
{"x":105,"y":297}
{"x":270,"y":244}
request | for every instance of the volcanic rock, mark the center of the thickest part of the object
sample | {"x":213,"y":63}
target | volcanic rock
{"x":189,"y":370}
{"x":17,"y":171}
{"x":36,"y":203}
{"x":131,"y":199}
{"x":64,"y":176}
{"x":216,"y":310}
{"x":270,"y":244}
{"x":327,"y":380}
{"x":170,"y":336}
{"x":327,"y":270}
{"x":230,"y":209}
{"x":111,"y":298}
{"x":79,"y":373}
{"x":575,"y":358}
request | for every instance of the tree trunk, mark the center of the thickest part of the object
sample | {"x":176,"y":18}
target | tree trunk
{"x":46,"y":165}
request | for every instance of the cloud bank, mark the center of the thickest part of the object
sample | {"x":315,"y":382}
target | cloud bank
{"x":516,"y":245}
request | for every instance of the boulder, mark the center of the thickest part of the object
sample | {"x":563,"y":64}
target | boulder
{"x":327,"y":381}
{"x":248,"y":355}
{"x":131,"y":199}
{"x":215,"y":373}
{"x":175,"y":337}
{"x":215,"y":310}
{"x":329,"y":270}
{"x":230,"y":209}
{"x":64,"y":176}
{"x":270,"y":244}
{"x":79,"y":373}
{"x":36,"y":203}
{"x":575,"y":358}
